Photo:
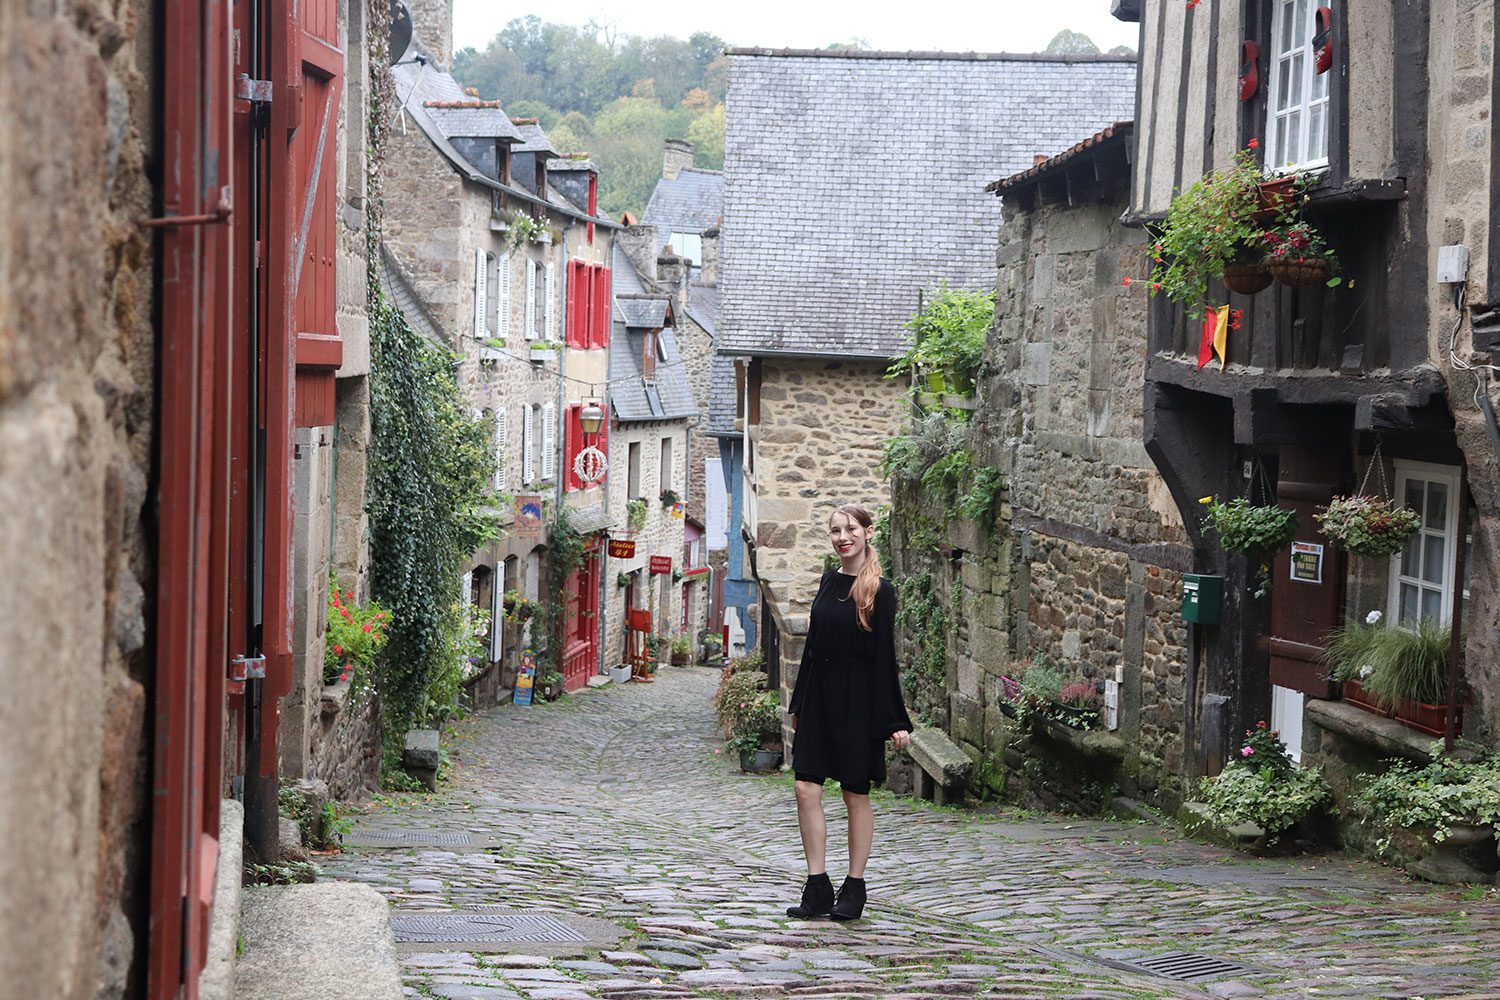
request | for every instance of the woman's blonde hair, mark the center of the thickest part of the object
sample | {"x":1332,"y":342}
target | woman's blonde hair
{"x":867,"y":582}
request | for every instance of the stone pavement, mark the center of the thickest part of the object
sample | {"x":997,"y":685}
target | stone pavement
{"x":613,"y":805}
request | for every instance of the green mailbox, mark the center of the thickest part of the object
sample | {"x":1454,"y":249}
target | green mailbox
{"x":1202,"y":598}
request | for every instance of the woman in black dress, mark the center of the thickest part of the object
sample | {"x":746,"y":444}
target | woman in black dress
{"x":846,"y":704}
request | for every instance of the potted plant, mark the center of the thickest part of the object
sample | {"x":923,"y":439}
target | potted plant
{"x":1299,"y":256}
{"x":1369,"y":526}
{"x":1262,"y":785}
{"x":1403,"y":669}
{"x":508,"y":600}
{"x":949,"y":332}
{"x":669,"y":497}
{"x":355,"y":636}
{"x":757,"y":734}
{"x":543,"y":351}
{"x":520,"y":610}
{"x":1077,"y":706}
{"x":622,"y":580}
{"x":523,"y":229}
{"x":1252,"y":530}
{"x":635,"y":514}
{"x":713,"y":646}
{"x":682,"y":648}
{"x":1457,"y":801}
{"x":619,"y":673}
{"x":549,"y":684}
{"x":1211,"y":231}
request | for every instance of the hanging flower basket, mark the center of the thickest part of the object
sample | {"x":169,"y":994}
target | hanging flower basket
{"x":1301,"y":271}
{"x":1369,"y":526}
{"x":1275,"y":197}
{"x":1246,"y":277}
{"x":1247,"y":528}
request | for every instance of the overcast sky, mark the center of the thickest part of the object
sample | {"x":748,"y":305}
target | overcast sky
{"x":950,"y":25}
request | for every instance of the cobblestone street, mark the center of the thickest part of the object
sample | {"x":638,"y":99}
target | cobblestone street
{"x":613,"y":805}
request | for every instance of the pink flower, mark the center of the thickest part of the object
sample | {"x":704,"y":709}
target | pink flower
{"x":1127,"y":280}
{"x":1247,"y":751}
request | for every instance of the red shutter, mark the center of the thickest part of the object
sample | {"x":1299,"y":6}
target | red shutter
{"x":603,"y":308}
{"x":576,"y":305}
{"x":314,"y":181}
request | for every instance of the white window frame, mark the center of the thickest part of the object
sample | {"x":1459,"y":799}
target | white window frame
{"x":1449,"y":476}
{"x":1297,"y":60}
{"x":549,"y":440}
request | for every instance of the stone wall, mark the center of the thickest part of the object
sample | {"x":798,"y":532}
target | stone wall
{"x":822,"y":424}
{"x":77,"y":350}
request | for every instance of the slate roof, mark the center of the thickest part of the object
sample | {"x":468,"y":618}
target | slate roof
{"x":643,"y":312}
{"x":721,"y":401}
{"x":534,"y":140}
{"x":405,"y":298}
{"x":428,"y":94}
{"x":688,"y":203}
{"x":669,"y":396}
{"x":468,"y":119}
{"x":855,"y":179}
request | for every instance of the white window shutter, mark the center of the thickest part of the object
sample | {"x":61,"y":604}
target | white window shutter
{"x":530,"y":299}
{"x":479,"y":299}
{"x":528,"y":461}
{"x":501,"y":455}
{"x":549,"y":440}
{"x":503,"y":294}
{"x":467,"y":583}
{"x":551,"y":305}
{"x":497,"y":616}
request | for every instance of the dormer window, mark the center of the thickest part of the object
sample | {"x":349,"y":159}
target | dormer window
{"x":1297,"y":109}
{"x":648,"y":354}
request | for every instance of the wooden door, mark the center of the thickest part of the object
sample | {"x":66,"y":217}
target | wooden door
{"x":1307,"y":578}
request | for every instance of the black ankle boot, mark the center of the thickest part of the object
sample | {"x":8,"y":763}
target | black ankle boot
{"x":817,"y":898}
{"x":851,"y":900}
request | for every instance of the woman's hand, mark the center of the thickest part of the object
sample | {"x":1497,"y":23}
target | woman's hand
{"x":901,"y":738}
{"x":794,"y":722}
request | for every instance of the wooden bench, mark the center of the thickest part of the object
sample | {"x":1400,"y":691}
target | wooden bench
{"x":940,"y":770}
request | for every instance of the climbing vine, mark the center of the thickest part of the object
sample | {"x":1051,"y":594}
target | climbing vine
{"x":565,"y":554}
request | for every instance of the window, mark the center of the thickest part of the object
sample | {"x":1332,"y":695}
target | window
{"x":648,"y":355}
{"x":574,"y":441}
{"x":633,"y":481}
{"x":549,"y":296}
{"x":536,"y":328}
{"x":1422,"y":575}
{"x":689,"y":245}
{"x":1297,"y":112}
{"x":667,"y":477}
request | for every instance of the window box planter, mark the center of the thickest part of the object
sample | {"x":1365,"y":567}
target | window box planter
{"x":1425,"y":718}
{"x":619,"y":673}
{"x":543,"y":355}
{"x":551,"y":690}
{"x":1356,"y":695}
{"x":1299,"y":273}
{"x":680,"y":659}
{"x":490,"y":355}
{"x":499,"y":225}
{"x":1246,"y":277}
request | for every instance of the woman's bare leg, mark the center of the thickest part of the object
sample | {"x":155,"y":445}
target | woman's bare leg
{"x":861,"y":832}
{"x":814,"y":826}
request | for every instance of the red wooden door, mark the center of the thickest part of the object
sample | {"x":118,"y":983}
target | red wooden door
{"x":1305,"y":603}
{"x":581,"y":631}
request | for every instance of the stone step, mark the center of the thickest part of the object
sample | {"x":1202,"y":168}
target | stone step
{"x":314,"y":942}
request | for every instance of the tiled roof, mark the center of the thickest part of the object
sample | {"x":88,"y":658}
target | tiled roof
{"x":688,"y":203}
{"x":668,"y":396}
{"x":405,"y":298}
{"x":533,"y":139}
{"x":1119,"y":130}
{"x":855,"y":180}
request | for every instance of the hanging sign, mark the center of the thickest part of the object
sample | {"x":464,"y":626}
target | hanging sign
{"x":621,"y":548}
{"x":661,"y":564}
{"x":528,"y":522}
{"x":1307,"y":562}
{"x":678,"y":510}
{"x":525,"y":678}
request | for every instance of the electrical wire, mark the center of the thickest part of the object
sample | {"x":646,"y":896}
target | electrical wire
{"x":1481,"y":372}
{"x":621,"y":380}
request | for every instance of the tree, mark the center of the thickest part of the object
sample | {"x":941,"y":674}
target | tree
{"x":1071,"y":43}
{"x":707,"y":136}
{"x":628,"y":137}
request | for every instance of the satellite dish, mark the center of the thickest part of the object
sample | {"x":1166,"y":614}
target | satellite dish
{"x":400,"y":30}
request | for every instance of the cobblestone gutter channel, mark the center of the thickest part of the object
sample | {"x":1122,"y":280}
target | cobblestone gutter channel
{"x":611,"y":809}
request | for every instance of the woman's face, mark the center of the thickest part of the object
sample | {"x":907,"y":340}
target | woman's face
{"x":848,"y":536}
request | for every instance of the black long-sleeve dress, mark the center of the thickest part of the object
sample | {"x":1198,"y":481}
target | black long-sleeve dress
{"x":847,"y":698}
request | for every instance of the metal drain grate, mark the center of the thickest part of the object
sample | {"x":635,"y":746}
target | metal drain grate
{"x":404,"y":837}
{"x":1186,"y":967}
{"x":486,"y":927}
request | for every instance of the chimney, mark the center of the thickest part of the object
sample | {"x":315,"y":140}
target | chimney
{"x":432,"y":22}
{"x":679,"y":154}
{"x":708,"y":274}
{"x":639,"y":246}
{"x":672,"y":275}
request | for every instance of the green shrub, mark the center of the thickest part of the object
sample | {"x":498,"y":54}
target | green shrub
{"x":1261,"y":784}
{"x":1439,"y":795}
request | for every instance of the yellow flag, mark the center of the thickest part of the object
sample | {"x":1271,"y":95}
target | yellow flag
{"x":1221,"y":333}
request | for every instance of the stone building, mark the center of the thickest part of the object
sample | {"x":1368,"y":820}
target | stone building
{"x":854,"y":183}
{"x":165,"y":532}
{"x":1391,"y":110}
{"x":497,"y":249}
{"x":651,"y":402}
{"x":1081,"y":562}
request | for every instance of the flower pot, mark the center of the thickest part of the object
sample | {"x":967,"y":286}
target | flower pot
{"x":760,"y":761}
{"x":1299,"y":272}
{"x":619,"y":673}
{"x":680,"y":659}
{"x":542,"y":355}
{"x":1275,"y":195}
{"x":1446,"y":864}
{"x":1355,"y":694}
{"x":1246,"y":278}
{"x":936,"y":382}
{"x":550,"y":691}
{"x":1425,"y":718}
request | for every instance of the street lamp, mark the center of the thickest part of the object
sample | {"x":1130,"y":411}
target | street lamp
{"x":591,"y":417}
